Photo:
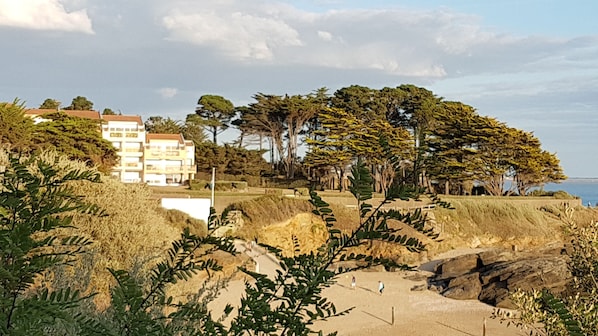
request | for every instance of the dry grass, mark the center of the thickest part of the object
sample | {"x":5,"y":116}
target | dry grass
{"x":181,"y":220}
{"x":496,"y":222}
{"x":132,"y":236}
{"x":522,"y":223}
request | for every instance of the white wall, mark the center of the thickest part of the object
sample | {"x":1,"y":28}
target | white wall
{"x":198,"y":208}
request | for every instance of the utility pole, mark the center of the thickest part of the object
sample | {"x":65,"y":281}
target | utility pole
{"x":213,"y":184}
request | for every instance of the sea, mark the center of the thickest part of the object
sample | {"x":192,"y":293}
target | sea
{"x":584,"y":188}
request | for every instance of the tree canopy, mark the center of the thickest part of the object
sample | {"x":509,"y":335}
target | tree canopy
{"x":217,"y":113}
{"x":15,"y":127}
{"x":50,"y":104}
{"x":77,"y":138}
{"x":80,"y":103}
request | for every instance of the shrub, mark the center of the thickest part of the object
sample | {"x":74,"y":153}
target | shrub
{"x":37,"y":206}
{"x":219,"y":185}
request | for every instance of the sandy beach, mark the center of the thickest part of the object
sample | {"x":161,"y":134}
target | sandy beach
{"x":416,"y":312}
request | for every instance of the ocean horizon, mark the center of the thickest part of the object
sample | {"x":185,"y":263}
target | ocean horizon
{"x":582,"y":187}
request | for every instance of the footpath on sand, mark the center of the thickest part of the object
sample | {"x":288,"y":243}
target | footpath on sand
{"x":416,"y":312}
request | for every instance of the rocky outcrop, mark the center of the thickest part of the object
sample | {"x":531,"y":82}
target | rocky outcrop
{"x":489,"y":276}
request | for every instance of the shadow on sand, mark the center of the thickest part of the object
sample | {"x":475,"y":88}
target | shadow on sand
{"x":459,"y":330}
{"x":376,"y":317}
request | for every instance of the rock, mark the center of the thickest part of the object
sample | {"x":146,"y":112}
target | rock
{"x":490,"y":276}
{"x":457,"y":266}
{"x":419,"y":288}
{"x":435,"y":289}
{"x":549,"y":272}
{"x":465,"y":287}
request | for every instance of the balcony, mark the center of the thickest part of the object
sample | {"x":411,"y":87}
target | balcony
{"x":124,"y":135}
{"x":171,"y":170}
{"x":130,"y":166}
{"x":170,"y":154}
{"x":130,"y":152}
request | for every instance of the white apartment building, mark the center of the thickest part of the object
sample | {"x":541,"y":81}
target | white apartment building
{"x":127,"y":135}
{"x":169,"y":159}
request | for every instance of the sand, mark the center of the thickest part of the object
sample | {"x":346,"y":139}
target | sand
{"x":416,"y":312}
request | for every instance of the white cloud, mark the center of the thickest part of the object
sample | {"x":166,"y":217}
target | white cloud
{"x":43,"y":15}
{"x":394,"y":41}
{"x":238,"y":34}
{"x":324,"y":35}
{"x":168,"y":93}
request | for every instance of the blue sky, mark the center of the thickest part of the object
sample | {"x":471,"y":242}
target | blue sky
{"x":530,"y":63}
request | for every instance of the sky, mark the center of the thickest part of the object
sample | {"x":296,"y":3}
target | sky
{"x":532,"y":64}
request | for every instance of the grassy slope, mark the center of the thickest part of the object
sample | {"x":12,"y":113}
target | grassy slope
{"x":521,"y":223}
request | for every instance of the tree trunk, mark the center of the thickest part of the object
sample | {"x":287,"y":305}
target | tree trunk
{"x":214,"y":133}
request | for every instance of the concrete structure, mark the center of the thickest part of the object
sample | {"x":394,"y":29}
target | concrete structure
{"x":156,"y":159}
{"x":198,"y":208}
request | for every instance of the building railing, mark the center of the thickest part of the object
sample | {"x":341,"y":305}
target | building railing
{"x":171,"y":169}
{"x":130,"y":166}
{"x":157,"y":153}
{"x":123,"y":129}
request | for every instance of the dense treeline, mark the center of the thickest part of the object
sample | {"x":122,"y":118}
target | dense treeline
{"x":444,"y":146}
{"x":77,"y":138}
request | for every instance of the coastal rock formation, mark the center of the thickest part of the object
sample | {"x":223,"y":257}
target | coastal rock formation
{"x":489,"y":276}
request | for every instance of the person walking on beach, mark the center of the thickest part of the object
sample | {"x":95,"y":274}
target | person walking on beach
{"x":380,"y":287}
{"x":353,"y":282}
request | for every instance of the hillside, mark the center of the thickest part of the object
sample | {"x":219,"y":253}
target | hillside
{"x":514,"y":223}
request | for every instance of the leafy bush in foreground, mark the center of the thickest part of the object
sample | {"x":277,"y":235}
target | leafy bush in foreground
{"x":33,"y":206}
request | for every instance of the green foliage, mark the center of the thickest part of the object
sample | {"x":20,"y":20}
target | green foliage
{"x":292,"y":301}
{"x":35,"y":201}
{"x":15,"y":127}
{"x":229,"y":160}
{"x":216,"y":112}
{"x":50,"y":104}
{"x":159,"y":125}
{"x":108,"y":111}
{"x":80,"y":103}
{"x":182,"y":220}
{"x":558,"y":194}
{"x":77,"y":138}
{"x":139,"y":309}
